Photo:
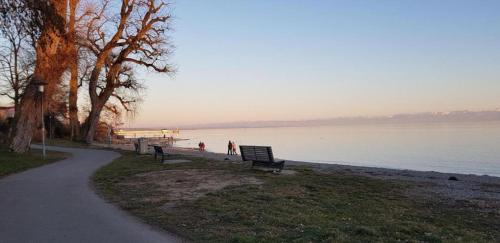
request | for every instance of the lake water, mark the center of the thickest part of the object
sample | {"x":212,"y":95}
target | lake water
{"x":471,"y":148}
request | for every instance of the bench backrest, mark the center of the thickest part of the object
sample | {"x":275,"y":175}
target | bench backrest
{"x":158,"y":150}
{"x":257,"y":153}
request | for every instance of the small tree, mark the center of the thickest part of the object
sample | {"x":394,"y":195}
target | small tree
{"x":16,"y":62}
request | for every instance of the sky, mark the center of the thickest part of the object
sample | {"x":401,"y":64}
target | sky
{"x":255,"y":60}
{"x":296,"y":60}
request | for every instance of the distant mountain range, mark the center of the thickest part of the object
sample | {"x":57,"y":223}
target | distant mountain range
{"x":424,"y":117}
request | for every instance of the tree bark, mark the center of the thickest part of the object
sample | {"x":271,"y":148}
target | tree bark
{"x":97,"y":104}
{"x":73,"y":83}
{"x":50,"y":64}
{"x":26,"y":119}
{"x":92,"y":122}
{"x":16,"y":100}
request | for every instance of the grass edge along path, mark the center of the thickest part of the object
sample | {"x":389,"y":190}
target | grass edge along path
{"x":306,"y":207}
{"x":11,"y":162}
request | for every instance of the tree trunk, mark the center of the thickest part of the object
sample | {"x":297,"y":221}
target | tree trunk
{"x":73,"y":106}
{"x":50,"y":65}
{"x":97,"y":101}
{"x":26,"y":120}
{"x":16,"y":100}
{"x":73,"y":83}
{"x":93,"y":121}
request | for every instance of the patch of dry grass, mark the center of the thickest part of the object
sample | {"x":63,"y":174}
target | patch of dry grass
{"x":173,"y":187}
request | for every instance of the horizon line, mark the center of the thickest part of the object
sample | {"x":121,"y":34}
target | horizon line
{"x":365,"y":119}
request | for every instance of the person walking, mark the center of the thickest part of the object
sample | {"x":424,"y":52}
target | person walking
{"x":233,"y":145}
{"x":230,"y":148}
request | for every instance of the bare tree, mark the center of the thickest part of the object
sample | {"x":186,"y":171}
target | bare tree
{"x":135,"y":37}
{"x":16,"y":61}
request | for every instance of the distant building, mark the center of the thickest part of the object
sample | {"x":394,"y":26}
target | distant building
{"x":6,"y":112}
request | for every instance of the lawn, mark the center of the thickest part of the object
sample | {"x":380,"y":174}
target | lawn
{"x":12,"y":162}
{"x":304,"y":207}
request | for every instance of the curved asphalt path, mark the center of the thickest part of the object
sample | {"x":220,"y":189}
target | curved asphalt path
{"x":55,"y":203}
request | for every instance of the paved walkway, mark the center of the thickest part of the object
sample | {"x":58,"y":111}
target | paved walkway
{"x":55,"y":203}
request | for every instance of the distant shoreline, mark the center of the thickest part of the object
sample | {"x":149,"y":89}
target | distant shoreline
{"x":424,"y":117}
{"x":347,"y":124}
{"x":330,"y":124}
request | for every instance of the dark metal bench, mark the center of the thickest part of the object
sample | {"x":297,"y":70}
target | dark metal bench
{"x":159,"y":151}
{"x":136,"y":147}
{"x":260,"y":156}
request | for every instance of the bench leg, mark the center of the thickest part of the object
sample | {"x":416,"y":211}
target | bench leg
{"x":279,"y":168}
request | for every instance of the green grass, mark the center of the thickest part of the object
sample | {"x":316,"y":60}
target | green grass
{"x":306,"y":207}
{"x":12,"y":162}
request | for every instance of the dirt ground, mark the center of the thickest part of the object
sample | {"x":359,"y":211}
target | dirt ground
{"x":176,"y":186}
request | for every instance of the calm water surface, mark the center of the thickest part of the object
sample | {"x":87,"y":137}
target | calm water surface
{"x":471,"y":148}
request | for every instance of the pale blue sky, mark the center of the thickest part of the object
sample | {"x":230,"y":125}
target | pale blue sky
{"x":287,"y":60}
{"x":254,"y":60}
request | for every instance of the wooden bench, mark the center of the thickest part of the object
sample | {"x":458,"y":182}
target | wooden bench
{"x":260,"y":156}
{"x":159,"y":151}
